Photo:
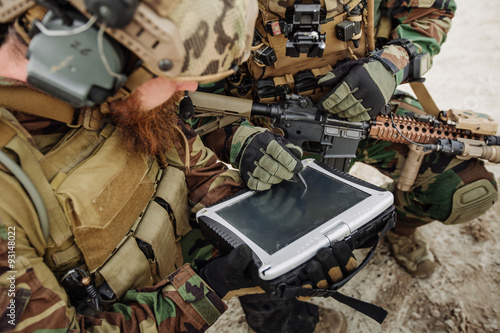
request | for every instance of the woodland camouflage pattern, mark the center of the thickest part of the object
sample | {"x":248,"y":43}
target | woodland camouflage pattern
{"x":184,"y":297}
{"x":424,"y":22}
{"x":208,"y":181}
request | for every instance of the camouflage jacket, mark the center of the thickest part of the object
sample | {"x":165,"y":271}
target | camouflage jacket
{"x":425,"y":23}
{"x":31,"y":297}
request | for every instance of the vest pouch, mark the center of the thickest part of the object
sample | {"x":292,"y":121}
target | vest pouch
{"x":126,"y":269}
{"x":336,"y":50}
{"x":156,"y":230}
{"x":164,"y":221}
{"x":103,"y":196}
{"x":303,"y":83}
{"x":173,"y":189}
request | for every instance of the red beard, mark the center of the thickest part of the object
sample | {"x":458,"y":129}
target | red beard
{"x":149,"y":132}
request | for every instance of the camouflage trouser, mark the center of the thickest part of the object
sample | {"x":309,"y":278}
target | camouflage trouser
{"x":439,"y":175}
{"x":196,"y":250}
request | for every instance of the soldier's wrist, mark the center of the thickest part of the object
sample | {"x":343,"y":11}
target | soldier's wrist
{"x":395,"y":59}
{"x":418,"y":62}
{"x":241,"y":138}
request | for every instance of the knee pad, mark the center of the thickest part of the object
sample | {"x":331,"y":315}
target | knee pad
{"x":471,"y":201}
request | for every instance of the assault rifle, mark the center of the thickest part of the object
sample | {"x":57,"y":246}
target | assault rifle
{"x":464,"y":134}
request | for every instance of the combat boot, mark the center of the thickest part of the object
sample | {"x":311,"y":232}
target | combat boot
{"x":413,"y":253}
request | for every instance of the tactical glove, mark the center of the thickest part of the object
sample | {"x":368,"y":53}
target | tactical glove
{"x":226,"y":275}
{"x":361,"y":88}
{"x":330,"y":265}
{"x":264,"y":158}
{"x":229,"y":277}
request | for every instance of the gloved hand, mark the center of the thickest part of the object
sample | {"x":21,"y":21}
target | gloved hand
{"x":264,"y":158}
{"x":361,"y":88}
{"x":330,"y":265}
{"x":226,"y":275}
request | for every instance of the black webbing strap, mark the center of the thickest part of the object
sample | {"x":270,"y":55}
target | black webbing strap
{"x":371,"y":310}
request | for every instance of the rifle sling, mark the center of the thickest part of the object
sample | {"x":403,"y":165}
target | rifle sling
{"x":425,"y":98}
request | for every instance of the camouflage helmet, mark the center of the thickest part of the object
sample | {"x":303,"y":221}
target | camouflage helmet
{"x":191,"y":40}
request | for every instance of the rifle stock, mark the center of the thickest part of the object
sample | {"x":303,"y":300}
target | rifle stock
{"x":464,"y":134}
{"x":224,"y":110}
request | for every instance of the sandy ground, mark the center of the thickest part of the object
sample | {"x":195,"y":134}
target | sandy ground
{"x":463,"y":295}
